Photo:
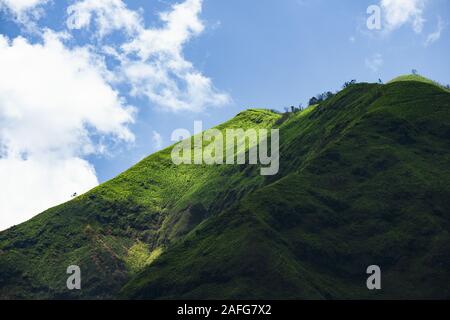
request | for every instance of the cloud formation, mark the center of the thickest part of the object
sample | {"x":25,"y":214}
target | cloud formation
{"x":106,"y":15}
{"x":400,"y":12}
{"x":24,"y":11}
{"x":151,"y":60}
{"x":54,"y":102}
{"x":436,"y":35}
{"x":375,"y":62}
{"x":20,"y":6}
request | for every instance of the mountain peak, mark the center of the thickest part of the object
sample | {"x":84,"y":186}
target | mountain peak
{"x":415,"y":77}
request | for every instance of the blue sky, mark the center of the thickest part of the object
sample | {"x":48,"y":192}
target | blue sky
{"x":239,"y":54}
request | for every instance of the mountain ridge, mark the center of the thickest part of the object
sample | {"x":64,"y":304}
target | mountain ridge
{"x":161,"y":231}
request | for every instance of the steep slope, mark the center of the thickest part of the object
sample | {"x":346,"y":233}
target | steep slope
{"x":116,"y":229}
{"x":365,"y":180}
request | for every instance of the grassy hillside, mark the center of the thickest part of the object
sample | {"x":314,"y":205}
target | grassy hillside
{"x":117,"y":228}
{"x":417,"y":78}
{"x":364,"y":179}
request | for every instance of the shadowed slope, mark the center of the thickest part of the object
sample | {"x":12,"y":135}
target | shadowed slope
{"x":365,"y":181}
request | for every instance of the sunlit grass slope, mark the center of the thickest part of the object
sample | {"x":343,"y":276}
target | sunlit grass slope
{"x":418,"y":78}
{"x":113,"y":230}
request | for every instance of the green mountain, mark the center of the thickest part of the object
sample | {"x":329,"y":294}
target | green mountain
{"x":364,"y":180}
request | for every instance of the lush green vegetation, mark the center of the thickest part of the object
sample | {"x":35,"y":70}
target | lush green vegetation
{"x":419,"y":78}
{"x":364,"y":179}
{"x":111,"y":231}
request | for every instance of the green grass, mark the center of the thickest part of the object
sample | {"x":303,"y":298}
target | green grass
{"x":417,"y":78}
{"x":364,"y":179}
{"x":361,"y":184}
{"x":140,"y":257}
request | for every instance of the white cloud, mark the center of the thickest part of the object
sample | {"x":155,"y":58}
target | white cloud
{"x":375,"y":62}
{"x":436,"y":35}
{"x":152,"y":62}
{"x":181,"y":24}
{"x":20,"y":6}
{"x":400,"y":12}
{"x":53,"y":102}
{"x":108,"y":15}
{"x":157,"y":140}
{"x":24,"y":10}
